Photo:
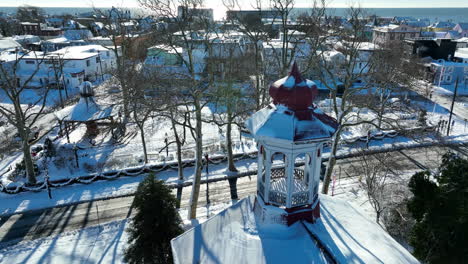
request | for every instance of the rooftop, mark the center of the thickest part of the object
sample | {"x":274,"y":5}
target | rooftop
{"x":236,"y":236}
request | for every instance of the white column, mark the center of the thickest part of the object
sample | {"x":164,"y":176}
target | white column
{"x":267,"y":174}
{"x":289,"y":178}
{"x":318,"y":163}
{"x":260,"y":168}
{"x":312,"y":174}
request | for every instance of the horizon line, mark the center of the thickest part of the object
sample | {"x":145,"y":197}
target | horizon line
{"x":110,"y":6}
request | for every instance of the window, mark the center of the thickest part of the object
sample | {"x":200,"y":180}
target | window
{"x":450,"y":69}
{"x":402,"y":36}
{"x":88,"y":63}
{"x":98,"y":59}
{"x":466,"y":69}
{"x":30,"y":62}
{"x":392,"y":36}
{"x":107,"y":53}
{"x":413,"y":35}
{"x":448,"y":78}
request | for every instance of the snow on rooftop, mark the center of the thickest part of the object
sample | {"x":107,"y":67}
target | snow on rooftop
{"x":280,"y":123}
{"x":353,"y":238}
{"x":8,"y":44}
{"x":235,"y":236}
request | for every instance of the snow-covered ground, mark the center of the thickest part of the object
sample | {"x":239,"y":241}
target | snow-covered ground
{"x":98,"y":244}
{"x":449,"y":89}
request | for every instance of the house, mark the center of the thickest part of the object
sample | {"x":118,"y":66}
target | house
{"x":365,"y":51}
{"x":29,"y":42}
{"x":461,"y":55}
{"x":39,"y":29}
{"x":56,"y":22}
{"x":8,"y":58}
{"x":462,"y":29}
{"x":462,"y":42}
{"x":447,"y":72}
{"x":429,"y":47}
{"x":393,"y":33}
{"x":60,"y":43}
{"x":418,"y":24}
{"x":451,"y":34}
{"x":71,"y":65}
{"x":441,"y":26}
{"x":184,"y":12}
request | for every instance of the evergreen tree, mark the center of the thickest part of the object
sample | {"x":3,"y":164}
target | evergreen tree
{"x":155,"y":223}
{"x":439,"y":207}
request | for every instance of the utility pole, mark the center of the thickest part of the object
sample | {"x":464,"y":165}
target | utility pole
{"x":451,"y":107}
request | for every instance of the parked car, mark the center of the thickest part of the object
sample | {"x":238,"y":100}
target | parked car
{"x":36,"y":150}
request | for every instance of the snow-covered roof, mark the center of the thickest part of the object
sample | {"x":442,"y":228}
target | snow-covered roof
{"x":8,"y":44}
{"x":278,"y":122}
{"x":292,"y":116}
{"x":465,"y":39}
{"x":461,"y":53}
{"x":443,"y":24}
{"x":236,"y":236}
{"x":57,"y":40}
{"x":166,"y":48}
{"x":396,"y":28}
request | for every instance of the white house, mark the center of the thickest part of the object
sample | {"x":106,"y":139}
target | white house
{"x":67,"y":67}
{"x":365,"y":52}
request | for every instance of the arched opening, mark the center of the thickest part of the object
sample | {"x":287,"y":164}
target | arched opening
{"x":278,"y":180}
{"x":301,"y":180}
{"x":301,"y":174}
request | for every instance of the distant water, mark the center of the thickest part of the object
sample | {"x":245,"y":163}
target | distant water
{"x":434,"y":14}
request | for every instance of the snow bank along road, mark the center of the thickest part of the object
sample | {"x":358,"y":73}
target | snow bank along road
{"x":53,"y":221}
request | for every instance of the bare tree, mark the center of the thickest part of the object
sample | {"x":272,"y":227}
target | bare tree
{"x":257,"y":33}
{"x":377,"y":175}
{"x":23,"y":116}
{"x":57,"y":62}
{"x":122,"y":43}
{"x":190,"y":31}
{"x":338,"y":62}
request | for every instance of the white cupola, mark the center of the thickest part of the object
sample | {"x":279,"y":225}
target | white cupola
{"x":290,"y":135}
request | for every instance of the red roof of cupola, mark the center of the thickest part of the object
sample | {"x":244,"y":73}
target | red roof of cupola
{"x":294,"y":91}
